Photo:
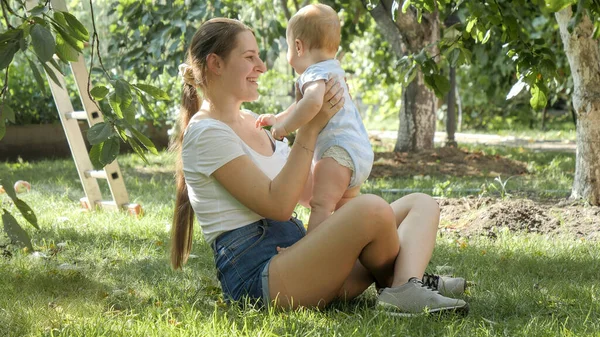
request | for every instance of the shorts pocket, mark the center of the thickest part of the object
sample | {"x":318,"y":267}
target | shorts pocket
{"x":299,"y":224}
{"x":238,"y":247}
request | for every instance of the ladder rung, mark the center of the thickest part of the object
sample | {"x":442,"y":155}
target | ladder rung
{"x":98,"y":174}
{"x":77,"y":115}
{"x":107,"y":205}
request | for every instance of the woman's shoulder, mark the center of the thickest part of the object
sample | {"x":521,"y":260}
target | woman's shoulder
{"x":206,"y":129}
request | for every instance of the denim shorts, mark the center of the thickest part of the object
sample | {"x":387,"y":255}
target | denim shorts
{"x":242,"y":257}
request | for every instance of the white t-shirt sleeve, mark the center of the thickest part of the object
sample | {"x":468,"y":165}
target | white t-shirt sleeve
{"x":208,"y":145}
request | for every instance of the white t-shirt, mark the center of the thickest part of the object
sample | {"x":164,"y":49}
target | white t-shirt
{"x":209,"y":144}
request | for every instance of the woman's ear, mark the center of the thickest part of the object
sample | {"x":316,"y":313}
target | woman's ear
{"x":214,"y":64}
{"x":299,"y":47}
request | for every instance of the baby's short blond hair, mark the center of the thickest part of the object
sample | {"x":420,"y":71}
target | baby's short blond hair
{"x":318,"y":26}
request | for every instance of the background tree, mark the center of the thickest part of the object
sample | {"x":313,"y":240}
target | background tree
{"x":409,"y":31}
{"x":536,"y":64}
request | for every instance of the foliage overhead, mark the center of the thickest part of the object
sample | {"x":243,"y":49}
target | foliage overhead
{"x":42,"y":32}
{"x":505,"y":22}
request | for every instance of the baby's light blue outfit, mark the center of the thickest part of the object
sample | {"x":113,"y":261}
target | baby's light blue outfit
{"x":345,"y":129}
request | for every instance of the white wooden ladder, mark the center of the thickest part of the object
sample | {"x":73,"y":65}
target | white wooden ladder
{"x":69,"y":119}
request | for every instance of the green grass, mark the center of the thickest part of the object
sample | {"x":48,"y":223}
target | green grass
{"x":107,"y":274}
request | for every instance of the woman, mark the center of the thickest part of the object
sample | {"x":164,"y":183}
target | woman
{"x":243,"y":186}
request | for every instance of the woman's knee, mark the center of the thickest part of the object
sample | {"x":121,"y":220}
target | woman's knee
{"x":374,"y":208}
{"x":425,"y":200}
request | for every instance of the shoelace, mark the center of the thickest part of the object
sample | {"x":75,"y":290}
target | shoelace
{"x":431,"y":281}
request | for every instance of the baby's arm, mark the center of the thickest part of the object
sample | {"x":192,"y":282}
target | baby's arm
{"x":271,"y":119}
{"x":306,"y":109}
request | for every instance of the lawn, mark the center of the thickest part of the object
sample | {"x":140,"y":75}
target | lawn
{"x":107,"y":274}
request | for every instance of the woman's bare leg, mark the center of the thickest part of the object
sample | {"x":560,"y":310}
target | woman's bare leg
{"x":312,"y":271}
{"x":417,"y":234}
{"x":418,"y":217}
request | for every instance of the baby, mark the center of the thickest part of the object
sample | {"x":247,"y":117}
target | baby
{"x":343,"y":155}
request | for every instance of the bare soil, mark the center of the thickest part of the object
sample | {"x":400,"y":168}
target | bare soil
{"x":484,"y":216}
{"x":445,"y":161}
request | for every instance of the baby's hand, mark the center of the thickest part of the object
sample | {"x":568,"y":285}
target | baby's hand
{"x":265,"y":120}
{"x":278,"y":131}
{"x":279,"y":249}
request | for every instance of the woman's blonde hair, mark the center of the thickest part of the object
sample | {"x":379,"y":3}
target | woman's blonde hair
{"x":215,"y":36}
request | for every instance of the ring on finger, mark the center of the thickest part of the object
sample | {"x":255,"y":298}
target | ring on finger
{"x":331,"y":104}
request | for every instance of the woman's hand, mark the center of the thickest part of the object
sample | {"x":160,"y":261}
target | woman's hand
{"x":333,"y":101}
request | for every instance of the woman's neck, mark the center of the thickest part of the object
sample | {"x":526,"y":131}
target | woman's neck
{"x":221,"y":109}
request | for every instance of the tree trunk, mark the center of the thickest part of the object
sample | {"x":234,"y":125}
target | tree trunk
{"x":451,"y":112}
{"x":584,"y":59}
{"x":417,"y":113}
{"x":417,"y":120}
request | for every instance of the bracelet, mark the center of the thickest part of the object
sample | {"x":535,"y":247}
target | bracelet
{"x":304,"y":147}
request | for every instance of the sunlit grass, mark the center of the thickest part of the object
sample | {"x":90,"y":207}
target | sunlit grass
{"x":108,"y":274}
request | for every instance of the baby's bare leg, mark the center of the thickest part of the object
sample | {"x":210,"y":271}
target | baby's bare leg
{"x":330,"y":182}
{"x":348,"y":195}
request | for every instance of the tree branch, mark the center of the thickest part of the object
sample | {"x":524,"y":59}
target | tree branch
{"x":388,"y":27}
{"x":286,"y":10}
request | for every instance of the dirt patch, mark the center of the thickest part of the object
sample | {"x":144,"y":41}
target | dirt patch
{"x":474,"y":215}
{"x":444,"y":161}
{"x":484,"y":216}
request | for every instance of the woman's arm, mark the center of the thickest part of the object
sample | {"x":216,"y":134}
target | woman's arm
{"x":277,"y":198}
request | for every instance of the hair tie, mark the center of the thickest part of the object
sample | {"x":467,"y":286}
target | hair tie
{"x":187,"y":75}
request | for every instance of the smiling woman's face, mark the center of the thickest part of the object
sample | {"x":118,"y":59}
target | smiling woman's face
{"x":242,"y":67}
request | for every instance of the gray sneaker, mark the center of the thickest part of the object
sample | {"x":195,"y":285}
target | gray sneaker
{"x":414,"y":298}
{"x":445,"y":285}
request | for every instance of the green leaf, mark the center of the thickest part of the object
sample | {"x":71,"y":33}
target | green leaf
{"x":43,"y":42}
{"x":38,"y":77}
{"x":56,"y":66}
{"x":442,"y":84}
{"x":112,"y":101}
{"x":14,"y":34}
{"x":16,"y":234}
{"x":138,"y":149}
{"x":153,"y":91}
{"x":538,"y":98}
{"x":39,"y":9}
{"x":9,"y":191}
{"x":76,"y":44}
{"x":27,"y":212}
{"x":79,"y":29}
{"x":64,"y":50}
{"x":453,"y":57}
{"x":51,"y":74}
{"x":129,"y":112}
{"x":8,"y":113}
{"x":95,"y":152}
{"x":470,"y":24}
{"x":123,"y":93}
{"x":7,"y":52}
{"x":557,"y":5}
{"x":144,"y":140}
{"x":99,"y":133}
{"x":487,"y":36}
{"x":145,"y":104}
{"x":110,"y":150}
{"x":99,"y":92}
{"x":405,"y":5}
